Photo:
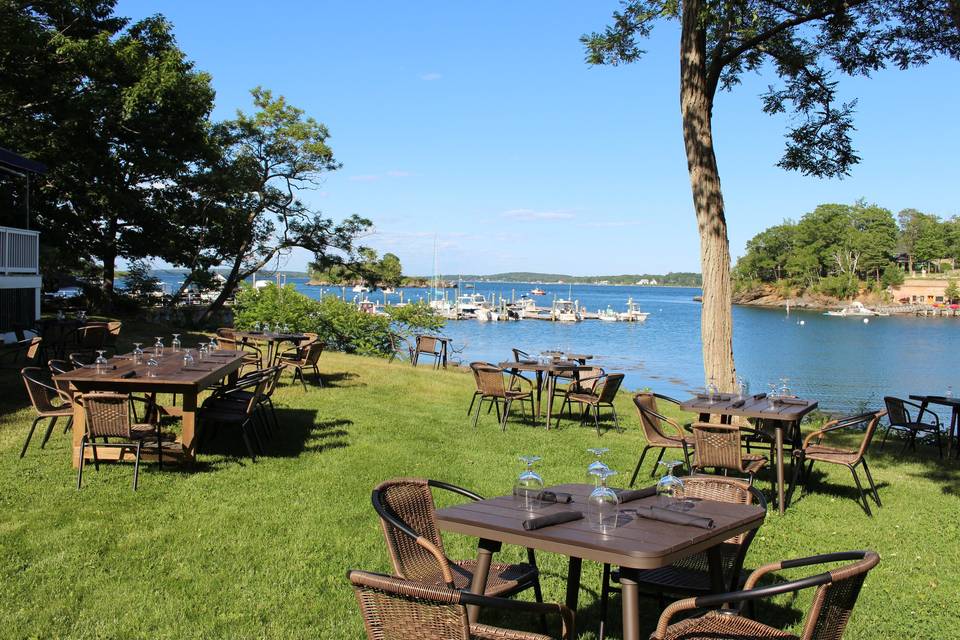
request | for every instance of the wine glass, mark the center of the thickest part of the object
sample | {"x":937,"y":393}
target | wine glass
{"x":742,"y":388}
{"x":158,"y":347}
{"x":100,"y":362}
{"x":784,"y":387}
{"x":670,"y":487}
{"x":152,"y":366}
{"x":187,"y":358}
{"x":214,"y":345}
{"x":201,"y":351}
{"x":175,"y":344}
{"x":603,"y":505}
{"x":712,"y":390}
{"x":949,"y":392}
{"x":596,"y":465}
{"x":137,"y":352}
{"x":529,"y":484}
{"x":772,"y":396}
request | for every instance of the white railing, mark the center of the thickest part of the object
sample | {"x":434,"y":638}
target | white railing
{"x":19,"y":251}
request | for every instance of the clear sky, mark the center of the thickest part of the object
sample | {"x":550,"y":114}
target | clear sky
{"x":479,"y":122}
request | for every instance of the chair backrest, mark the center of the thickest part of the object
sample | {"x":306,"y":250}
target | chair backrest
{"x":427,"y":344}
{"x":80,"y":359}
{"x":411,"y":500}
{"x":395,"y":609}
{"x":866,"y":421}
{"x":729,"y":490}
{"x":93,"y":336}
{"x":313,"y":353}
{"x":227,"y":343}
{"x":40,"y":391}
{"x":108,"y":414}
{"x":57,"y":367}
{"x":588,"y":378}
{"x":897,"y":411}
{"x":489,"y":379}
{"x":519,"y":354}
{"x":32,"y":347}
{"x":833,"y":602}
{"x":272,"y":377}
{"x":611,"y":385}
{"x":650,"y":421}
{"x":225,"y":332}
{"x":113,"y":332}
{"x":717,"y":445}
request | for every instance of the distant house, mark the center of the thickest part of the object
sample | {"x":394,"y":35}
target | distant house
{"x":647,"y":282}
{"x":20,"y":281}
{"x":920,"y":291}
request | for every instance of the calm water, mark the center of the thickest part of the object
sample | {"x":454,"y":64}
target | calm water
{"x":842,"y":362}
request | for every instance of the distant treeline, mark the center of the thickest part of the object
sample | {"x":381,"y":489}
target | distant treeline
{"x":679,"y":279}
{"x":839,"y":249}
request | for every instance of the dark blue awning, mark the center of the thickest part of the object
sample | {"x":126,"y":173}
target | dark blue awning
{"x":13,"y":161}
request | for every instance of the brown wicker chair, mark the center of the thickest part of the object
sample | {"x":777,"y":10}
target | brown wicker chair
{"x":21,"y":353}
{"x":253,"y":355}
{"x":396,"y":609}
{"x":305,"y":358}
{"x":814,"y":451}
{"x":719,"y":446}
{"x":836,"y":595}
{"x":492,"y":388}
{"x":655,"y":428}
{"x":47,"y":401}
{"x":691,"y":575}
{"x":899,"y":418}
{"x":108,"y":415}
{"x":220,"y":409}
{"x":241,"y":392}
{"x":408,"y":519}
{"x":428,"y":346}
{"x":591,"y":393}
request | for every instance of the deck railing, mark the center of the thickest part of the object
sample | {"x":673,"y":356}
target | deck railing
{"x":19,"y":251}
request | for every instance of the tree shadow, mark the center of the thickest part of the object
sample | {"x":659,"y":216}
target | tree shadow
{"x":944,"y":471}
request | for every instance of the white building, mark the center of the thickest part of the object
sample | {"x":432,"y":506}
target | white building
{"x":20,"y":281}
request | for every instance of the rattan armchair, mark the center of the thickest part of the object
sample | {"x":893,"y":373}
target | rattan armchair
{"x":719,"y":446}
{"x":108,"y":416}
{"x":19,"y":354}
{"x":899,"y":418}
{"x":397,"y":609}
{"x":836,"y":595}
{"x":591,"y":393}
{"x":814,"y":451}
{"x":47,"y":401}
{"x":305,"y":358}
{"x":408,"y":519}
{"x":658,"y":430}
{"x":428,"y":346}
{"x":221,"y":410}
{"x":492,"y":388}
{"x":691,"y":575}
{"x":252,"y":354}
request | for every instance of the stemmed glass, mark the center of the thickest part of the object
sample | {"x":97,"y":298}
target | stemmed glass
{"x":158,"y":347}
{"x":152,"y":366}
{"x":201,"y":350}
{"x":949,"y":393}
{"x":137,"y":352}
{"x":712,"y":390}
{"x":175,"y":344}
{"x":603,"y":505}
{"x":529,"y":484}
{"x":784,"y":387}
{"x":187,"y":358}
{"x":100,"y":362}
{"x":596,"y":465}
{"x":742,"y":388}
{"x":214,"y":345}
{"x":773,"y":396}
{"x":670,"y":487}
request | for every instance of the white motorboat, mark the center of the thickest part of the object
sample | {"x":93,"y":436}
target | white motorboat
{"x":566,"y":311}
{"x":633,"y":313}
{"x":469,"y":305}
{"x":854,"y":310}
{"x":607,"y":315}
{"x":360,"y":289}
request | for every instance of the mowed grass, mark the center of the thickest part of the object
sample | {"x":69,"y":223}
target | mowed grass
{"x":240,"y":550}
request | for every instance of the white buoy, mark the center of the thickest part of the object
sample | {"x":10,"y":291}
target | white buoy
{"x":803,"y":322}
{"x":866,"y":321}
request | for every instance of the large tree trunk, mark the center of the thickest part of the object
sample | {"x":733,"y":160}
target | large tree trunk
{"x":108,"y":276}
{"x":696,"y":106}
{"x":233,"y":280}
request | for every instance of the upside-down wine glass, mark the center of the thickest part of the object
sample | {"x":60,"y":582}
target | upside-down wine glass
{"x":158,"y":347}
{"x":603,"y":505}
{"x":187,"y":358}
{"x":529,"y":484}
{"x":785,"y":387}
{"x":670,"y":487}
{"x":137,"y":352}
{"x":175,"y":343}
{"x":152,"y":366}
{"x":712,"y":390}
{"x":742,"y":388}
{"x":596,"y":465}
{"x":772,"y":396}
{"x":100,"y":362}
{"x":201,"y":351}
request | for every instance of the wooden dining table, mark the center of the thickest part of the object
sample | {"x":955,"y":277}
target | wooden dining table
{"x":546,"y":371}
{"x":122,"y":374}
{"x":781,"y":417}
{"x":636,"y":544}
{"x":953,"y":431}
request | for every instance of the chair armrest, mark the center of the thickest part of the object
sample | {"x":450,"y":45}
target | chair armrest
{"x":936,"y":418}
{"x":446,"y":486}
{"x":568,"y":630}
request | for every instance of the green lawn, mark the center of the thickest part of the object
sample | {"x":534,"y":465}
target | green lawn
{"x":240,"y":550}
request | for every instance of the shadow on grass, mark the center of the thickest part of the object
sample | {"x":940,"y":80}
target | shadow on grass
{"x":944,"y":471}
{"x":297,"y":431}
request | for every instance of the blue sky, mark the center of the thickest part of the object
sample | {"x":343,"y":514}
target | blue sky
{"x":481,"y":124}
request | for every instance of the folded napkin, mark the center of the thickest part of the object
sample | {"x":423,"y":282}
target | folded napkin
{"x":129,"y":374}
{"x":738,"y":404}
{"x":196,"y":369}
{"x":674,"y":517}
{"x":759,"y":396}
{"x":560,"y":517}
{"x":791,"y":401}
{"x":548,"y":496}
{"x":628,"y":495}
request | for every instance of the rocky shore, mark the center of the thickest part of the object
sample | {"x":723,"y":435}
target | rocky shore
{"x":770,"y":296}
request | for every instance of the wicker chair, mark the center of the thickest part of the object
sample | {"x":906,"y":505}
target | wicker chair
{"x":47,"y":402}
{"x":240,"y":393}
{"x":428,"y":346}
{"x":492,"y":388}
{"x":591,"y":393}
{"x":108,"y":415}
{"x":253,"y":355}
{"x":79,"y":360}
{"x":653,"y":425}
{"x":899,"y":418}
{"x":691,"y":575}
{"x":718,"y":446}
{"x":220,"y":409}
{"x":21,"y":353}
{"x":836,"y":595}
{"x":396,"y":609}
{"x":305,"y":358}
{"x":814,"y":451}
{"x":519,"y":355}
{"x":408,"y":519}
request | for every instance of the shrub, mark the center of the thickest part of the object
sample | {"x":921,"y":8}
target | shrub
{"x":839,"y":286}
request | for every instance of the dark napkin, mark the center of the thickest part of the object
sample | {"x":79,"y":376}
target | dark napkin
{"x":628,"y":495}
{"x":674,"y":517}
{"x":554,"y":518}
{"x":129,"y":374}
{"x":792,"y":401}
{"x":196,"y":369}
{"x":720,"y":397}
{"x":759,"y":396}
{"x":550,"y":496}
{"x":738,"y":404}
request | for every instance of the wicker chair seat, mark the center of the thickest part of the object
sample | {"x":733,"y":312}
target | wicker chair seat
{"x":824,"y":453}
{"x":753,"y":462}
{"x":517,"y":395}
{"x":503,"y":578}
{"x":486,"y":632}
{"x":588,"y":398}
{"x":718,"y":626}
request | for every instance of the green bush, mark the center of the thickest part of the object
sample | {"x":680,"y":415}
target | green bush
{"x":338,"y":323}
{"x":840,"y":286}
{"x":892,"y":276}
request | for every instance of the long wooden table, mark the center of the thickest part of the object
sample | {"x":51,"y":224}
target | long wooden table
{"x":780,"y":417}
{"x":170,"y":378}
{"x":635,"y":545}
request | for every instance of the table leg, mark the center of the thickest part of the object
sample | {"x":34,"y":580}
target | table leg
{"x":79,"y":428}
{"x":188,"y":419}
{"x":551,"y":383}
{"x":778,"y":436}
{"x":716,"y":569}
{"x":478,"y":585}
{"x":953,"y":433}
{"x":443,"y":348}
{"x":539,"y":390}
{"x":630,"y":603}
{"x":573,"y":582}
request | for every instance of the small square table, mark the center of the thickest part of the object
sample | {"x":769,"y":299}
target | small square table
{"x":634,"y":546}
{"x":953,"y":431}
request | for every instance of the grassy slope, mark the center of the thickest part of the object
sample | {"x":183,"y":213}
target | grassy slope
{"x":249,"y":551}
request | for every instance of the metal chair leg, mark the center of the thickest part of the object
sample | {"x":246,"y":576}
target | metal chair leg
{"x":633,"y":478}
{"x":136,"y":467}
{"x":83,"y":446}
{"x":863,"y":496}
{"x":653,"y":471}
{"x":46,"y":436}
{"x":26,"y":443}
{"x":506,"y":413}
{"x":873,"y":486}
{"x":476,"y":416}
{"x":596,"y":418}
